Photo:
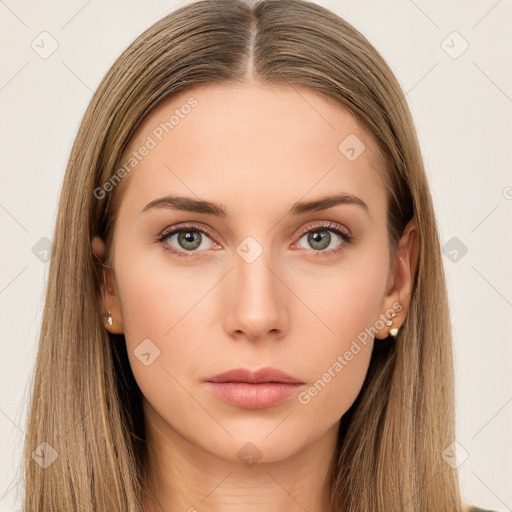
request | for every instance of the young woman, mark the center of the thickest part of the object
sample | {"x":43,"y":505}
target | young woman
{"x":246,"y":306}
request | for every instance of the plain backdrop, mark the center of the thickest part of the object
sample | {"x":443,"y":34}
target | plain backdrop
{"x":452,"y":60}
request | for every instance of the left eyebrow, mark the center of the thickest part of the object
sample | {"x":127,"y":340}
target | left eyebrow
{"x":325,"y":203}
{"x":191,"y":204}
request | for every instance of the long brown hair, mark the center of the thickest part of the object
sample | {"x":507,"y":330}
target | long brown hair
{"x":85,"y":402}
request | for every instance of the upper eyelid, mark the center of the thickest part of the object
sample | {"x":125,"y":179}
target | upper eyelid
{"x":327,"y":225}
{"x":171,"y":230}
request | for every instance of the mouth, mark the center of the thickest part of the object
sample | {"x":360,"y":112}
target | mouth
{"x":250,"y":389}
{"x":267,"y":374}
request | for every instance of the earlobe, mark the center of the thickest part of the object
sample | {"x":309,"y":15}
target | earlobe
{"x":112,"y":325}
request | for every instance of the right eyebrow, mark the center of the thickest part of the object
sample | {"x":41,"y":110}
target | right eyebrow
{"x":188,"y":204}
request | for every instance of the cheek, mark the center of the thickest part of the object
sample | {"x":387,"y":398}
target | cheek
{"x":156,"y":296}
{"x":337,"y":364}
{"x":156,"y":329}
{"x":164,"y":311}
{"x":346,"y":303}
{"x":324,"y":402}
{"x":337,"y":361}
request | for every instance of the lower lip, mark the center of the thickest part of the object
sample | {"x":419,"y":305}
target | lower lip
{"x":252,"y":396}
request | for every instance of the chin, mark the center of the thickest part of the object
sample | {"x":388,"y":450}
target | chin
{"x":251,"y":445}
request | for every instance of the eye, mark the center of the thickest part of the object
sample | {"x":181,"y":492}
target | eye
{"x":320,"y":238}
{"x":189,"y":239}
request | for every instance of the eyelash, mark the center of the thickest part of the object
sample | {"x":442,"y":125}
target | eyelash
{"x":347,"y":237}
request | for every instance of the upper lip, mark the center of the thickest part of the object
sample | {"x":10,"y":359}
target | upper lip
{"x":267,"y":374}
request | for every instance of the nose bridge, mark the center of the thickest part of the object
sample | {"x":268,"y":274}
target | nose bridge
{"x":257,"y":302}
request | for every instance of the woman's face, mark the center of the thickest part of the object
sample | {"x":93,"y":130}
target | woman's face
{"x":261,"y":275}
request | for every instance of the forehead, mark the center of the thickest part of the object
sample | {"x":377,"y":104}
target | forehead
{"x":279,"y":144}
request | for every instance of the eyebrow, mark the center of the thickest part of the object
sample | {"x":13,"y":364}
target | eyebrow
{"x":191,"y":204}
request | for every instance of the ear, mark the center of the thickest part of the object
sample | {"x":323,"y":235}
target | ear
{"x":110,"y":299}
{"x":401,"y":279}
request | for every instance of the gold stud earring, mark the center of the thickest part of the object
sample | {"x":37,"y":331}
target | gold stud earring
{"x":110,"y":321}
{"x":393,"y":331}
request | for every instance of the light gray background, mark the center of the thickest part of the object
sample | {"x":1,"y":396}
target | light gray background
{"x":462,"y":108}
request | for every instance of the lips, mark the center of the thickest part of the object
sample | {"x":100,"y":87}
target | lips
{"x":267,"y":374}
{"x":248,"y":389}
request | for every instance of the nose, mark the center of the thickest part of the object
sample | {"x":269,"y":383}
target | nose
{"x":257,"y":299}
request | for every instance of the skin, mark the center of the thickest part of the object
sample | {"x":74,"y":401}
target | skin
{"x":256,"y":150}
